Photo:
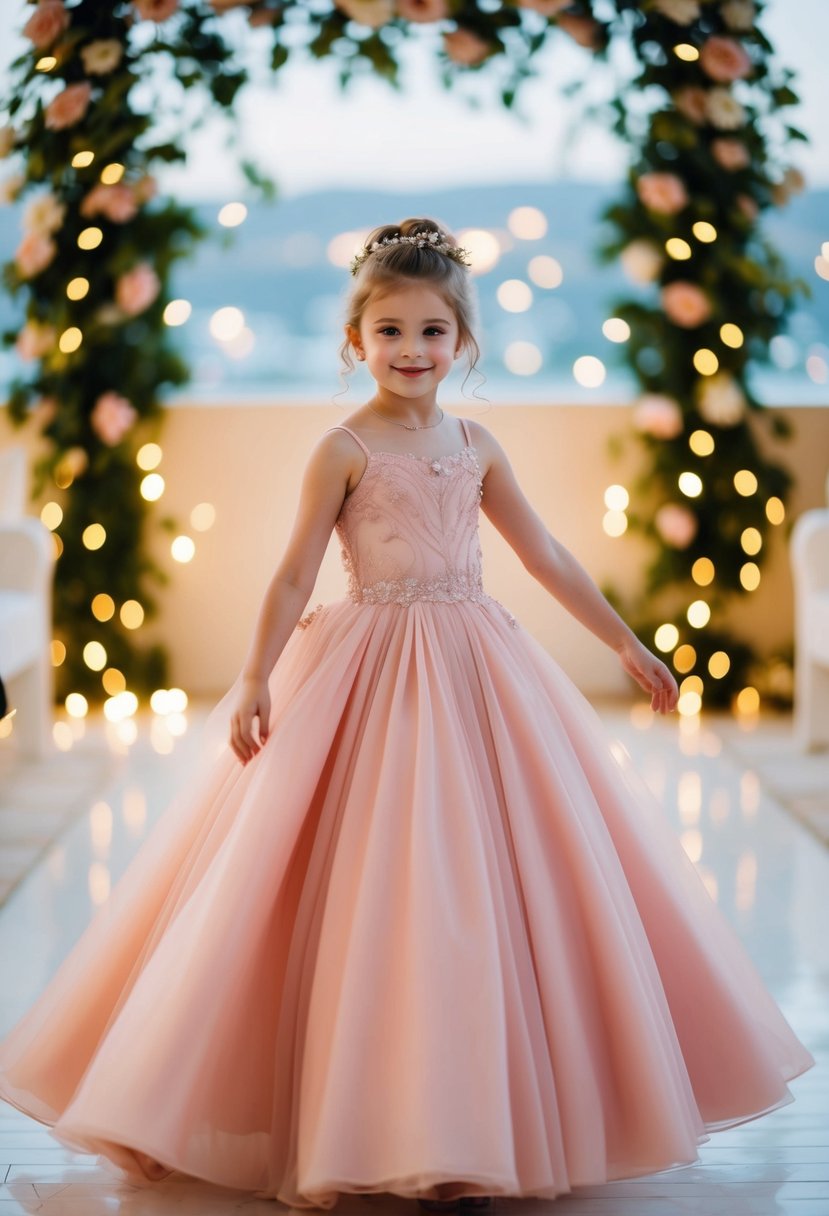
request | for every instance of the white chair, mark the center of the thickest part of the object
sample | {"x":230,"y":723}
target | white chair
{"x":809,"y":551}
{"x":27,"y":565}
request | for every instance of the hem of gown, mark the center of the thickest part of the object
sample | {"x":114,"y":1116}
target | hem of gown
{"x":134,"y":1171}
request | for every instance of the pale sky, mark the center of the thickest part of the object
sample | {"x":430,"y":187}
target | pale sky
{"x":308,"y":135}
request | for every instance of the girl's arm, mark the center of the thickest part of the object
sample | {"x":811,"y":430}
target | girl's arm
{"x":325,"y":482}
{"x":561,"y":574}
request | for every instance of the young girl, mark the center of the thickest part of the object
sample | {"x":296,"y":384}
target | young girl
{"x":419,"y":931}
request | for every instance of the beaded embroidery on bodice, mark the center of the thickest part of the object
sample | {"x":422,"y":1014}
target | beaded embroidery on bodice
{"x":409,"y":529}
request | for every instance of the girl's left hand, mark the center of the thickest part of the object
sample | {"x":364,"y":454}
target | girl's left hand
{"x":651,"y":673}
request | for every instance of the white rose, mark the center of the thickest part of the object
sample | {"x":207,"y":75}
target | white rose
{"x":641,"y":261}
{"x":720,"y":400}
{"x":683,"y":12}
{"x":724,"y":111}
{"x":739,"y":15}
{"x":43,"y":215}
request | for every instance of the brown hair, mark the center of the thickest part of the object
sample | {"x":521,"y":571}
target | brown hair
{"x":386,"y":266}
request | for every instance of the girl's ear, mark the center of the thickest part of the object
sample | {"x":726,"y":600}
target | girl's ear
{"x":353,"y":336}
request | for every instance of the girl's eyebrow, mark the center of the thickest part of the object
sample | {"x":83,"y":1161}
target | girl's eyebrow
{"x":396,"y":320}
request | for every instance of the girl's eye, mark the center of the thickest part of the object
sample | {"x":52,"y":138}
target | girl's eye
{"x":388,"y":329}
{"x":433,"y":330}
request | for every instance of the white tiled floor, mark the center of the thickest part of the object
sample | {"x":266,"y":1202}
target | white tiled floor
{"x":768,"y":872}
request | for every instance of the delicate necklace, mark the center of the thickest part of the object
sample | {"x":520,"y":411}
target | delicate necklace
{"x":425,"y":427}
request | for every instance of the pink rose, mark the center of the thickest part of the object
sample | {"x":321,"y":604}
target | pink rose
{"x":68,"y":107}
{"x":730,"y":154}
{"x":422,"y":10}
{"x":547,"y":8}
{"x":156,"y":10}
{"x":690,"y":101}
{"x":117,"y":203}
{"x":136,"y":290}
{"x":658,"y":415}
{"x":34,"y":253}
{"x":724,"y":59}
{"x":112,"y":417}
{"x":685,"y":304}
{"x":583,"y":30}
{"x":676,"y":525}
{"x":465,"y":47}
{"x":662,"y":192}
{"x":35,"y":340}
{"x":47,"y":22}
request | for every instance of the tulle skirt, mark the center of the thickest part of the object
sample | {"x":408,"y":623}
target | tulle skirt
{"x":436,"y":938}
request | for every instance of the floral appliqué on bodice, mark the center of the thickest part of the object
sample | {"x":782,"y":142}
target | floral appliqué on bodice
{"x":409,"y":531}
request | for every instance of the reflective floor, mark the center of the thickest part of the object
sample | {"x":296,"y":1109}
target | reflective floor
{"x":768,"y":872}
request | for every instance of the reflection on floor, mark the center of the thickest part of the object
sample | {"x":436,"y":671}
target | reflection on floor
{"x":769,"y":874}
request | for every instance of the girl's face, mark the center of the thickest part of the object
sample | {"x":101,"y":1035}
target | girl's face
{"x":409,"y":339}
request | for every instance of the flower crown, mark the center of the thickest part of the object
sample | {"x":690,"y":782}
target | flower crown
{"x":431,"y":240}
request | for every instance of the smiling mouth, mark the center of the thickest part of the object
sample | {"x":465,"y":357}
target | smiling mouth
{"x":412,"y":371}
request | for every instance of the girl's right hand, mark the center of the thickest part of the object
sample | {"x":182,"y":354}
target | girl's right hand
{"x":651,"y":674}
{"x":254,"y":701}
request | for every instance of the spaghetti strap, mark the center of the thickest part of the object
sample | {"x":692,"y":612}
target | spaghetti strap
{"x":339,"y":427}
{"x":462,"y":421}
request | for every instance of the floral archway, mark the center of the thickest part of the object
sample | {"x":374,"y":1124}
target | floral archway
{"x":704,"y":118}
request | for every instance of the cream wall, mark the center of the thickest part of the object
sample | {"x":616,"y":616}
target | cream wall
{"x":247,"y":460}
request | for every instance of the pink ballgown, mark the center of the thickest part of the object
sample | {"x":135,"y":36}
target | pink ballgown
{"x":435,"y":938}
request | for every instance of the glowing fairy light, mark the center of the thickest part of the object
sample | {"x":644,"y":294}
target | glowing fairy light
{"x":616,"y":330}
{"x":545,"y":271}
{"x":698,"y":614}
{"x":112,"y":174}
{"x":232,"y":215}
{"x":690,"y":484}
{"x":706,"y":362}
{"x":677,"y":249}
{"x":704,"y":231}
{"x":686,"y":52}
{"x":666,"y":637}
{"x":527,"y":223}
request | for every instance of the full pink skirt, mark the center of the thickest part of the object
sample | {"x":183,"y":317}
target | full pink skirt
{"x":436,"y":932}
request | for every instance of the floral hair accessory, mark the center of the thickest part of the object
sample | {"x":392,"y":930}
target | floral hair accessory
{"x":431,"y":240}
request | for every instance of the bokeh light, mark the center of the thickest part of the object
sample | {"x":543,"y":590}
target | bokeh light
{"x":588,"y":371}
{"x":616,"y":330}
{"x":232,"y":215}
{"x":545,"y":271}
{"x":527,"y":223}
{"x":514,"y":295}
{"x":177,"y":312}
{"x":523,"y":358}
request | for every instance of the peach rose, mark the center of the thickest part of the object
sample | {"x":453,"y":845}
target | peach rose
{"x":262,"y":16}
{"x":676,"y":525}
{"x":102,"y":56}
{"x":112,"y":417}
{"x":739,"y":15}
{"x":465,"y":47}
{"x":724,"y":59}
{"x":42,"y":411}
{"x":145,"y":188}
{"x":44,"y":215}
{"x":117,"y":203}
{"x":68,"y":107}
{"x":794,"y":181}
{"x":8,"y":135}
{"x":658,"y":415}
{"x":690,"y":101}
{"x":662,"y":192}
{"x":35,"y":340}
{"x":34,"y":253}
{"x":724,"y":111}
{"x":547,"y":8}
{"x":583,"y":30}
{"x":422,"y":10}
{"x":730,"y":154}
{"x":10,"y":187}
{"x":155,"y":10}
{"x":685,"y":304}
{"x":372,"y":13}
{"x":49,"y":20}
{"x":681,"y":12}
{"x":136,"y":290}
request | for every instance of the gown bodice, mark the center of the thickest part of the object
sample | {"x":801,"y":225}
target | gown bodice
{"x":409,"y":529}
